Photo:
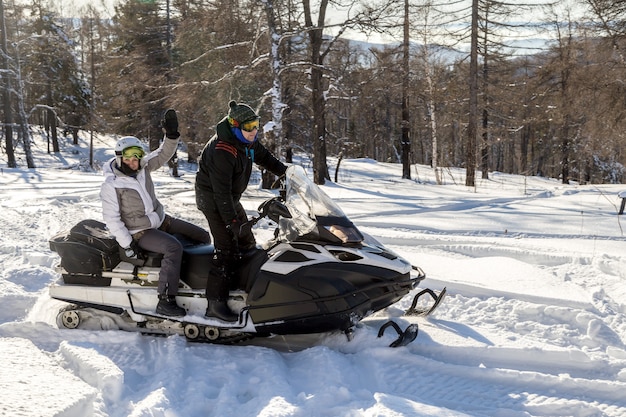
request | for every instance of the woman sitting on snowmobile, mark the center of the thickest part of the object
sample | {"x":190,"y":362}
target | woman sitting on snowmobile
{"x":135,"y":216}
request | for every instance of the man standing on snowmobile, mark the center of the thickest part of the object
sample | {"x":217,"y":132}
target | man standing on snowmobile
{"x":135,"y":216}
{"x":223,"y":173}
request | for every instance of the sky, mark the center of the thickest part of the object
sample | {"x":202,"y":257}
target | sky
{"x":534,"y":323}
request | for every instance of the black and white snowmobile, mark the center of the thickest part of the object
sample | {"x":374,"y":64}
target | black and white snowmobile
{"x":317,"y":274}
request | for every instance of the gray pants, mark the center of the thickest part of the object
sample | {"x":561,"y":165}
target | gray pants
{"x":161,"y":241}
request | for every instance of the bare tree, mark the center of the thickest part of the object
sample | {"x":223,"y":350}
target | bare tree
{"x":6,"y":93}
{"x":315,"y":31}
{"x":320,"y":47}
{"x":610,"y":15}
{"x":470,"y":160}
{"x":274,"y":130}
{"x":564,"y":65}
{"x":427,"y":94}
{"x":15,"y":95}
{"x":406,"y":139}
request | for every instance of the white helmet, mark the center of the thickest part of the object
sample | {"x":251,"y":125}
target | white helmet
{"x":123,"y":143}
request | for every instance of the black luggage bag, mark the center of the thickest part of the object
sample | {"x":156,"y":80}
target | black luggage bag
{"x":86,"y":250}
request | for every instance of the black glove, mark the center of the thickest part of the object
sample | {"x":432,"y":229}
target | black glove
{"x":234,"y":228}
{"x":170,"y":124}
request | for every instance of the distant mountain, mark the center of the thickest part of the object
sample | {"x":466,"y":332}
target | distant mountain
{"x":445,"y":54}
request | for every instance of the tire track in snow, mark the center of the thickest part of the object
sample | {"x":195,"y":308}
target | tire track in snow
{"x":546,"y":352}
{"x":486,"y":391}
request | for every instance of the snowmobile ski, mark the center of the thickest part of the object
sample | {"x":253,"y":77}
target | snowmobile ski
{"x":404,"y":337}
{"x":416,"y":311}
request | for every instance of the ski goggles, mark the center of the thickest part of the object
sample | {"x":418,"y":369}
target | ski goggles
{"x":133,"y":152}
{"x":250,"y":125}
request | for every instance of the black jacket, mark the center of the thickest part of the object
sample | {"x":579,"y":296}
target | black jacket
{"x":225,"y":166}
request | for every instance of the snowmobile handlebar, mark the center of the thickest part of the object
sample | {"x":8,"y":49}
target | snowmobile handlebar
{"x":273,"y":208}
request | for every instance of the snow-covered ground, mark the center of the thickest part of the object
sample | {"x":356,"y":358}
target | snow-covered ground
{"x":534,"y":323}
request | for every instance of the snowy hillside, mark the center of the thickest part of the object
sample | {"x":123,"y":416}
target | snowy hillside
{"x":534,"y":323}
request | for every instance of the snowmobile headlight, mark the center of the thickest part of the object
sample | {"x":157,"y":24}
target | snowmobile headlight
{"x":345,"y":234}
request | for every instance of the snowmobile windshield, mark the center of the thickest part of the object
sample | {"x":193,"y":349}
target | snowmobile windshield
{"x":315,"y":216}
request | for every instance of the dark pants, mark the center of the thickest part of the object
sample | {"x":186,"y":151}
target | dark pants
{"x":161,"y":241}
{"x":222,"y":237}
{"x":227,"y":249}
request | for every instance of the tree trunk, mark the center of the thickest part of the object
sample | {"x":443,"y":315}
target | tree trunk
{"x":565,"y":45}
{"x":22,"y":118}
{"x":173,"y":162}
{"x":432,"y":113}
{"x":523,"y":158}
{"x":52,"y":119}
{"x":320,"y":167}
{"x":6,"y":95}
{"x":565,"y":150}
{"x":470,"y":159}
{"x":337,"y":169}
{"x":406,"y":140}
{"x":484,"y":145}
{"x":275,"y":134}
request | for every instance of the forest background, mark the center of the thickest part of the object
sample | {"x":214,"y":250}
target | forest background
{"x":526,"y":88}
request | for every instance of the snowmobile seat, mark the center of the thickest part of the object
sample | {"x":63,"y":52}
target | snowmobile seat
{"x":151,"y":258}
{"x":195,"y":266}
{"x":251,"y":262}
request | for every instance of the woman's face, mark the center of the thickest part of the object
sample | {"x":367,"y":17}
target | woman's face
{"x":131,"y":157}
{"x":133,"y":163}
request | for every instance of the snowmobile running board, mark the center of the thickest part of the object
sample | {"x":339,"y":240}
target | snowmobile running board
{"x":212,"y":332}
{"x":239,"y":324}
{"x":224,"y":334}
{"x":414,"y":311}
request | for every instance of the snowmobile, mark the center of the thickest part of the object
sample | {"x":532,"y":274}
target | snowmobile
{"x":317,"y":273}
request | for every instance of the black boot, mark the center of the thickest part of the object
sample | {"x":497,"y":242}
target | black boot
{"x":167,"y":306}
{"x":217,"y":288}
{"x":220,"y":310}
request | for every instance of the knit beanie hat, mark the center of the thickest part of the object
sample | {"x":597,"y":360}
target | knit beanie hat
{"x":240,"y":113}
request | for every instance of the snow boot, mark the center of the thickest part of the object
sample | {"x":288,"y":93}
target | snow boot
{"x":167,"y":306}
{"x":217,"y":288}
{"x":220,"y":310}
